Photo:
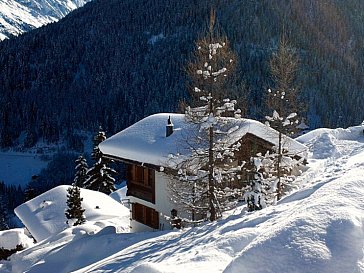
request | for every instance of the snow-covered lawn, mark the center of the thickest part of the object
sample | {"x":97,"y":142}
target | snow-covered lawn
{"x":319,"y":228}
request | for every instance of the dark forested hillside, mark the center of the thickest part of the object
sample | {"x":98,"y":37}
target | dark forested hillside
{"x":113,"y":62}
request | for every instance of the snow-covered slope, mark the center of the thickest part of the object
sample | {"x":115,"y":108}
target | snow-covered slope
{"x":319,"y":228}
{"x":9,"y":239}
{"x":18,"y":16}
{"x":44,"y":215}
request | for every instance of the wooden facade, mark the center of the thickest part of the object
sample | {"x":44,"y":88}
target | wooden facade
{"x":145,"y":215}
{"x":251,"y":145}
{"x":141,"y":182}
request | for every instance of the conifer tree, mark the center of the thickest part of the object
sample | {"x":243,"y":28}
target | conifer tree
{"x":257,"y":194}
{"x":29,"y":193}
{"x":100,"y":176}
{"x":74,"y":212}
{"x":283,"y":104}
{"x":3,"y":214}
{"x":203,"y":177}
{"x":98,"y":138}
{"x":81,"y":171}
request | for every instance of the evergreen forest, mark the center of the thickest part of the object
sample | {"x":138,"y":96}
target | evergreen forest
{"x":114,"y":62}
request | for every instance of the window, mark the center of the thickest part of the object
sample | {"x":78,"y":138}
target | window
{"x":145,"y":215}
{"x":142,"y":175}
{"x":138,"y":174}
{"x":141,"y":183}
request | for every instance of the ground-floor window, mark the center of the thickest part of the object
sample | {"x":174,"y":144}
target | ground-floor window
{"x":145,"y":215}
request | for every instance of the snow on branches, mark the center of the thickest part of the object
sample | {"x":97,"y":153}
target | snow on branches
{"x":206,"y":177}
{"x":74,"y":211}
{"x":80,"y":171}
{"x":100,"y":175}
{"x":256,"y":194}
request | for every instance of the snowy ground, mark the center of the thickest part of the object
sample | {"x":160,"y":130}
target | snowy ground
{"x":319,"y":228}
{"x":44,"y":215}
{"x":13,"y":237}
{"x":11,"y":162}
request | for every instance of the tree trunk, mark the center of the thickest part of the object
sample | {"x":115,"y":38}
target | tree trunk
{"x":279,"y":161}
{"x":211,"y":176}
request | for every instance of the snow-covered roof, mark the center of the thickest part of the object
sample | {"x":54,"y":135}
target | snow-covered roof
{"x":146,"y":141}
{"x":44,"y":215}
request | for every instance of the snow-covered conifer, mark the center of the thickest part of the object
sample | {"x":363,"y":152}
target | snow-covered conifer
{"x":98,"y":138}
{"x":100,"y":175}
{"x":205,"y":177}
{"x":74,"y":212}
{"x":100,"y":178}
{"x":81,"y":171}
{"x":260,"y":191}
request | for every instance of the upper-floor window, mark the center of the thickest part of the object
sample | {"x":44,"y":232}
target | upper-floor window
{"x":141,"y":183}
{"x":142,"y":175}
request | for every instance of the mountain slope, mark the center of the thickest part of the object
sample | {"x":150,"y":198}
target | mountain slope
{"x":19,"y":16}
{"x":319,"y":228}
{"x":111,"y":63}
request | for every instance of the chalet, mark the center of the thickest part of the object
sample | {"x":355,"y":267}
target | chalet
{"x":146,"y":146}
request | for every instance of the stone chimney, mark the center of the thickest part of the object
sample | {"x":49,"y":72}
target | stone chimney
{"x":169,"y":127}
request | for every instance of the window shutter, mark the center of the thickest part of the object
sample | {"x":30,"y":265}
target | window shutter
{"x":151,"y":177}
{"x":129,"y":172}
{"x":152,"y":184}
{"x":146,"y":176}
{"x":155,"y":219}
{"x":133,"y":211}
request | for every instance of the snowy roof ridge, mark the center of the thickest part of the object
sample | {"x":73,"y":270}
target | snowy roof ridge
{"x":145,"y":140}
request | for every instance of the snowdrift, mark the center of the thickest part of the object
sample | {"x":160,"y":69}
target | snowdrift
{"x":319,"y":228}
{"x":9,"y":239}
{"x":322,"y":233}
{"x":120,"y":196}
{"x":44,"y":215}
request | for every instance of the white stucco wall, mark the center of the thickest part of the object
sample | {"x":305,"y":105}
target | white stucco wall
{"x":163,"y":205}
{"x":135,"y":226}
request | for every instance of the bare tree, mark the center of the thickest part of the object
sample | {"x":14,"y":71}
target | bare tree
{"x":282,"y":101}
{"x":283,"y":68}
